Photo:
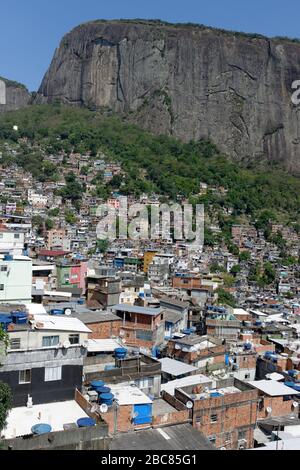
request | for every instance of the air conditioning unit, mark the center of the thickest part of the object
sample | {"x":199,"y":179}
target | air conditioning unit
{"x":66,"y":345}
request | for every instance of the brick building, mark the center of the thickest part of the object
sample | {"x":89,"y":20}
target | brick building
{"x":142,"y":327}
{"x":226,"y":414}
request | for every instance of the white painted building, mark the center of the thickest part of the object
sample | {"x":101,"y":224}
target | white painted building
{"x":12,"y":242}
{"x":15,"y":279}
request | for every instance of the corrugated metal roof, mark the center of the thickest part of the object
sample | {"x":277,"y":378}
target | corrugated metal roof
{"x":273,"y":388}
{"x":136,"y":309}
{"x":175,"y":368}
{"x":178,"y":437}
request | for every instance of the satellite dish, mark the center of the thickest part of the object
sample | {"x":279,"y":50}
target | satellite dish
{"x":68,"y":311}
{"x":122,"y":333}
{"x":295,"y":404}
{"x":66,"y":344}
{"x":189,"y":405}
{"x":104,"y":408}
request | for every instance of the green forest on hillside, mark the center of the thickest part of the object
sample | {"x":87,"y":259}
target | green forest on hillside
{"x":158,"y":164}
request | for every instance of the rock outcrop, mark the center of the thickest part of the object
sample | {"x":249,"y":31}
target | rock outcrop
{"x":187,"y":81}
{"x":13,"y":95}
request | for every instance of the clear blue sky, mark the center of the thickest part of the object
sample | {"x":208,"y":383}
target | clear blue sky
{"x":31,"y":30}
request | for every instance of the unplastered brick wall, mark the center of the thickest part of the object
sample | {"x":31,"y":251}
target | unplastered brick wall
{"x":278,"y":406}
{"x":104,"y":330}
{"x":171,"y":418}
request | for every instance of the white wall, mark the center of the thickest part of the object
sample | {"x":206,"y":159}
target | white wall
{"x":16,"y":281}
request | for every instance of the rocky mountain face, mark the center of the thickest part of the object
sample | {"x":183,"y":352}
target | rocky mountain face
{"x":13,"y":95}
{"x":187,"y":81}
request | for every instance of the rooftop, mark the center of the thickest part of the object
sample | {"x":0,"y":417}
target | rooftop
{"x":272,"y":388}
{"x":129,"y":395}
{"x":178,"y":437}
{"x":102,"y":345}
{"x":20,"y":420}
{"x":176,"y":368}
{"x":136,"y":309}
{"x":59,"y":323}
{"x":191,"y":380}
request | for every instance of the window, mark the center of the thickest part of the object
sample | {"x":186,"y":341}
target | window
{"x":25,"y":376}
{"x":16,"y":235}
{"x":1,"y":286}
{"x":213,"y":418}
{"x":15,"y":343}
{"x":52,"y":374}
{"x":242,"y":435}
{"x":145,"y":382}
{"x":49,"y":341}
{"x":74,"y":339}
{"x":3,"y":268}
{"x":144,"y":335}
{"x":198,"y":419}
{"x":227,"y":437}
{"x":212,"y":439}
{"x":1,"y":235}
{"x":247,"y":376}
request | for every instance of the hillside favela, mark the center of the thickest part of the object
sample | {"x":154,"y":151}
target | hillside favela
{"x":149,"y":241}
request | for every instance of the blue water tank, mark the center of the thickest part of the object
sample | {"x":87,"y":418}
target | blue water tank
{"x":86,"y":422}
{"x":57,"y":312}
{"x":81,"y":301}
{"x":19,"y":318}
{"x":8,"y":258}
{"x":120,"y":353}
{"x":5,"y":320}
{"x":215,"y":395}
{"x":102,"y":390}
{"x":268,"y":354}
{"x":292,"y":373}
{"x":106,"y":398}
{"x":97,"y":384}
{"x":247,"y":346}
{"x":187,"y":332}
{"x":41,"y":429}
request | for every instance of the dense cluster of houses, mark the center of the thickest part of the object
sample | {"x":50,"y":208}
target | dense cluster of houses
{"x":136,"y":337}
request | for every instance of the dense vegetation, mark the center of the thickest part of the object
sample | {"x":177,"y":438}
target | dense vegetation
{"x":151,"y":163}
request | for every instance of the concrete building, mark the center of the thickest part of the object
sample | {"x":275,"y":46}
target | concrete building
{"x":44,"y":359}
{"x":15,"y":279}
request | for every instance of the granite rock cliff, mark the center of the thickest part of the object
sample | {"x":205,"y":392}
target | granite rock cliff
{"x":187,"y":81}
{"x":13,"y":95}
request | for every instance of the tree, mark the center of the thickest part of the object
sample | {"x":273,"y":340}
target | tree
{"x":70,"y":218}
{"x":49,"y":224}
{"x":5,"y":403}
{"x":225,"y":298}
{"x":102,"y":245}
{"x":235,"y":269}
{"x":244,"y":256}
{"x":5,"y":391}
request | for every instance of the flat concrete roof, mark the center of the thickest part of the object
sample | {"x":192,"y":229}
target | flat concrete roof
{"x":20,"y":420}
{"x":161,"y":407}
{"x":169,"y":387}
{"x":129,"y":395}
